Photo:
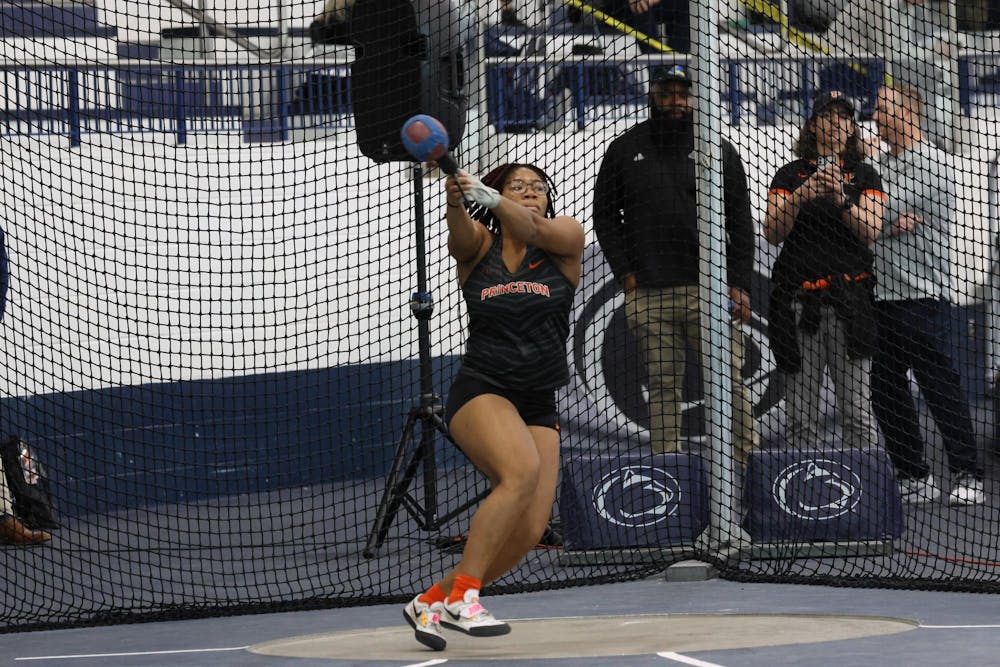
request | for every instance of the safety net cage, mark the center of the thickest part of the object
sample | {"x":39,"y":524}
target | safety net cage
{"x":231,"y":320}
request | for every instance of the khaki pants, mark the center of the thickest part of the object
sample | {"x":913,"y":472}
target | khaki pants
{"x":825,"y":353}
{"x":667,"y":321}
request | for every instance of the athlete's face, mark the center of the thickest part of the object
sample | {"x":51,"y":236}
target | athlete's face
{"x":528,"y":189}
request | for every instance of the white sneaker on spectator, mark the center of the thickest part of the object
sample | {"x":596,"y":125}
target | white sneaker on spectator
{"x":967,"y":490}
{"x":470,"y":617}
{"x":919,"y":490}
{"x":425,"y":619}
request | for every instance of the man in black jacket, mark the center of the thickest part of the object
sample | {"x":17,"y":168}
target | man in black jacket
{"x":646,"y":220}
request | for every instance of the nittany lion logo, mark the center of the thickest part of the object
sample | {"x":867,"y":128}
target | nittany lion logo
{"x":817,"y":489}
{"x":610,"y":377}
{"x":637,"y":496}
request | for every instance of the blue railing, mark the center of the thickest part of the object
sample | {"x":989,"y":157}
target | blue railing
{"x":524,"y":94}
{"x":979,"y":77}
{"x":262,"y":101}
{"x":268,"y":101}
{"x":528,"y":93}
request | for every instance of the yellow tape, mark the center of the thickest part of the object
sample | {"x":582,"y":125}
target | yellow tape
{"x":773,"y":12}
{"x":619,"y":26}
{"x":767,"y":9}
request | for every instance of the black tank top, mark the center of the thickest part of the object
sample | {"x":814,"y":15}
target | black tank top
{"x":518,"y":322}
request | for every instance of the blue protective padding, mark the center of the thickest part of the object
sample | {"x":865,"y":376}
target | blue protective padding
{"x":633,"y":500}
{"x":821,"y":496}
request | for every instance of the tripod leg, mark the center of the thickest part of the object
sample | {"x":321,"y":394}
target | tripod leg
{"x":394,"y":487}
{"x":437,"y":421}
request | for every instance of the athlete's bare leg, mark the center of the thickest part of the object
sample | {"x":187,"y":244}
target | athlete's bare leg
{"x":492,"y":434}
{"x":533,"y":522}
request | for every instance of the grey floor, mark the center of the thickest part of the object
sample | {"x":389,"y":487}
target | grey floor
{"x":944,"y":629}
{"x":941,"y":544}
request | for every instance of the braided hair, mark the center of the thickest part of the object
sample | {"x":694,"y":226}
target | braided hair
{"x":497,"y":179}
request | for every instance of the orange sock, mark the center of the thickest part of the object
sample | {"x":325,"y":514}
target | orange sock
{"x":434,"y":594}
{"x":462,"y":584}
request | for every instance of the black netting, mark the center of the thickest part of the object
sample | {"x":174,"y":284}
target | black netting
{"x":231,"y":314}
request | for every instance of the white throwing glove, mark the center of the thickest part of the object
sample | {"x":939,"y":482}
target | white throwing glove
{"x":483,"y":195}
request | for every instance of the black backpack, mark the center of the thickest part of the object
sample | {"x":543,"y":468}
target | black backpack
{"x":28,"y":484}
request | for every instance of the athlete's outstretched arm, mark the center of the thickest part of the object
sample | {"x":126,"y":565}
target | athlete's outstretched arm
{"x":466,"y":237}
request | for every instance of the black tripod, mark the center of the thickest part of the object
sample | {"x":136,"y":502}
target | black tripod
{"x":428,"y":413}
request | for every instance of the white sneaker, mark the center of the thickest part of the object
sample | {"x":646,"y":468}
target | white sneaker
{"x":470,"y":617}
{"x":967,"y":490}
{"x":919,"y":490}
{"x":425,"y":619}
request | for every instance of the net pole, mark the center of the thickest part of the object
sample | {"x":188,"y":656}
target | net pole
{"x":422,"y":309}
{"x":716,"y":348}
{"x":993,"y":278}
{"x":477,"y":117}
{"x":953,"y":109}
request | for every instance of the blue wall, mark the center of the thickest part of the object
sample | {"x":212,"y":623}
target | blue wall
{"x":122,"y":447}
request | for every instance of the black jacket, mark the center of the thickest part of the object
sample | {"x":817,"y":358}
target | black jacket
{"x":645,"y":210}
{"x":820,"y":245}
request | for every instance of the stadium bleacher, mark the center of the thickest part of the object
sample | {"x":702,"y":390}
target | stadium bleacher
{"x":52,"y":19}
{"x":523,"y":95}
{"x":54,"y":30}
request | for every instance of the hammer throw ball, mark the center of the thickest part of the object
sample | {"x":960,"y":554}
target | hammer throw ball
{"x":424,"y":137}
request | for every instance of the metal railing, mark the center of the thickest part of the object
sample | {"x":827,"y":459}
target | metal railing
{"x":529,"y":92}
{"x":979,"y":80}
{"x":133,"y":96}
{"x":267,"y":101}
{"x":535,"y":92}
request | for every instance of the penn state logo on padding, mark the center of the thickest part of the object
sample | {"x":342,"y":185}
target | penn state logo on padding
{"x":637,"y":496}
{"x":817,"y":489}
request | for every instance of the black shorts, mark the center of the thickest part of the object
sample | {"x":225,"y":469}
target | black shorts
{"x":537,"y":408}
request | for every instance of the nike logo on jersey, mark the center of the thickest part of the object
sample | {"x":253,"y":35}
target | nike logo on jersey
{"x":638,"y":156}
{"x":535,"y":265}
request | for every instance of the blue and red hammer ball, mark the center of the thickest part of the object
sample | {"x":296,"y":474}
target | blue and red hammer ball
{"x":424,"y":137}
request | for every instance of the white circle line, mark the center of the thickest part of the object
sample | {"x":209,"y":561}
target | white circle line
{"x":125,"y":655}
{"x":677,"y":657}
{"x":957,"y":627}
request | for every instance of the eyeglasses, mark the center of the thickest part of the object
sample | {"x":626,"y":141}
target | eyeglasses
{"x":517,"y":185}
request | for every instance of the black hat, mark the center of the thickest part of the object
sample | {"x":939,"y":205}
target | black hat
{"x":670,"y":73}
{"x":824,"y":101}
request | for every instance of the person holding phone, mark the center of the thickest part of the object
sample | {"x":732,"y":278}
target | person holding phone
{"x":825,"y":211}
